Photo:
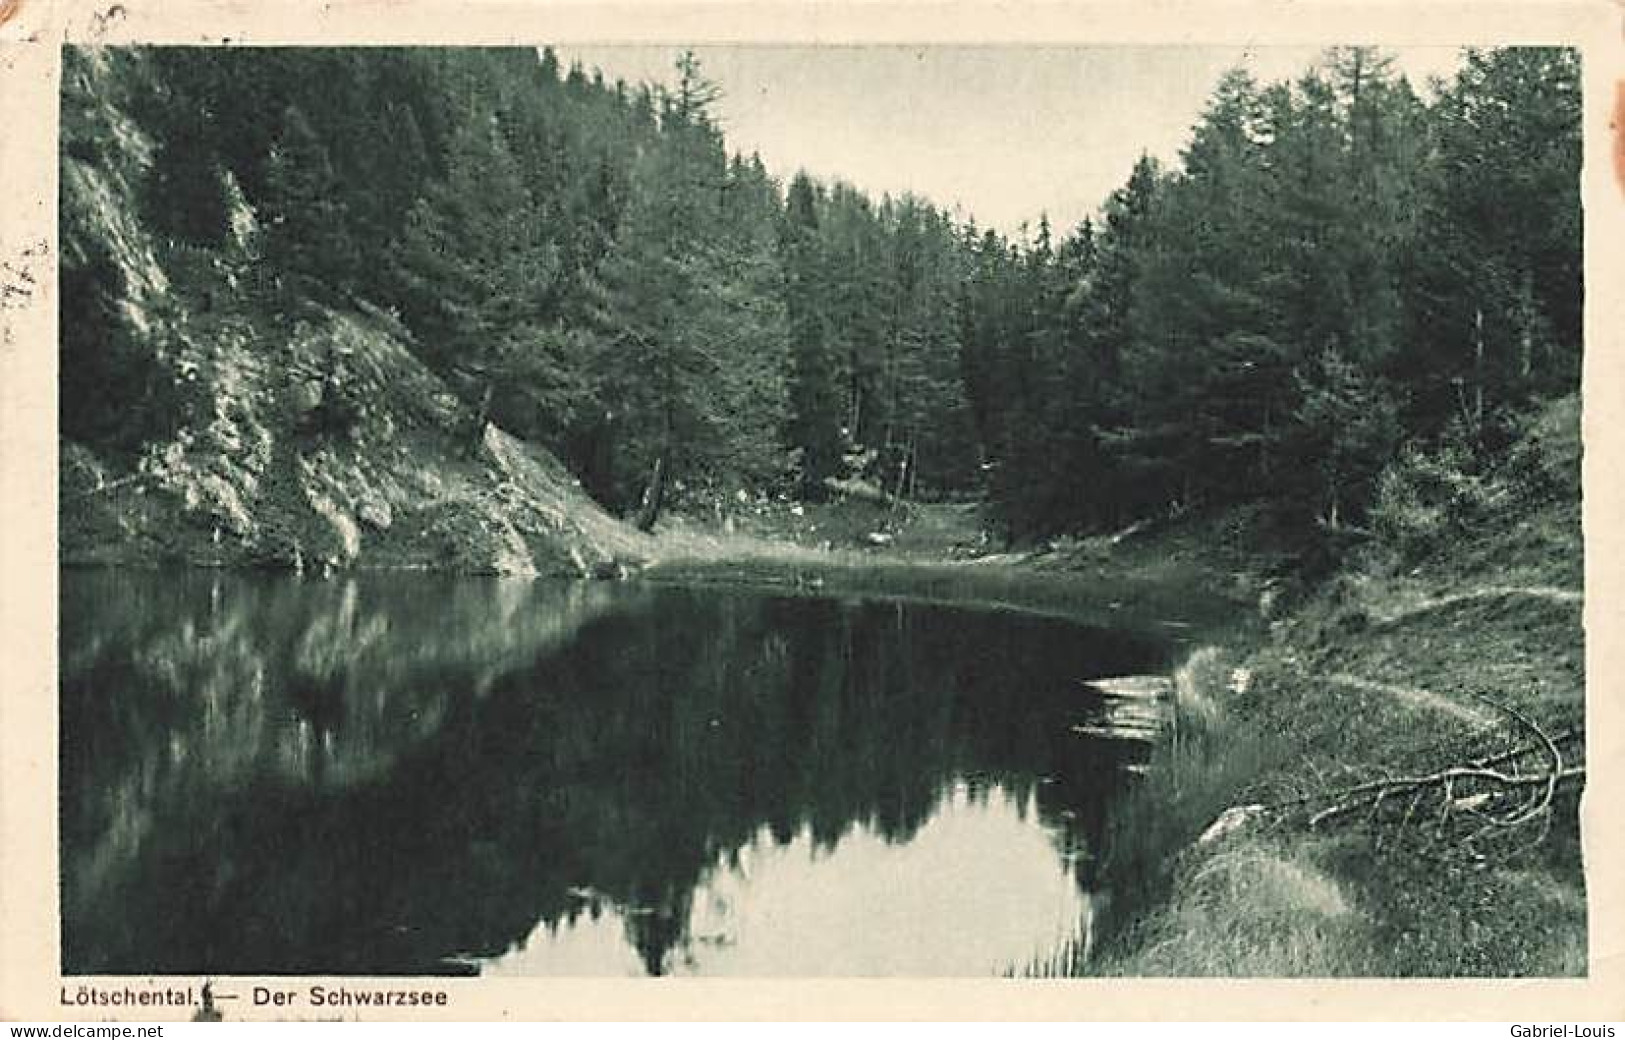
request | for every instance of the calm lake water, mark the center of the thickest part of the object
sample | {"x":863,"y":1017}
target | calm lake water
{"x":422,"y":774}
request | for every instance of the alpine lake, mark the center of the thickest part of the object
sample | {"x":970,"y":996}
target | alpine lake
{"x":412,"y":774}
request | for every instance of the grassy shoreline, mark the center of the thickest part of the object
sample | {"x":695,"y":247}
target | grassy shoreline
{"x":1180,"y":608}
{"x":1378,"y":673}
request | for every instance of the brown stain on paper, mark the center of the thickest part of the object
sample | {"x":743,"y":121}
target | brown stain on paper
{"x":1618,"y":127}
{"x":8,"y":9}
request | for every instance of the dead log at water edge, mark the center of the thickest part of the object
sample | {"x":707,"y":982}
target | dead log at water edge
{"x":1131,"y":707}
{"x":1137,"y":686}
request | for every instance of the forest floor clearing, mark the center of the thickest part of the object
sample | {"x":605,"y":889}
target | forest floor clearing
{"x":1188,"y":580}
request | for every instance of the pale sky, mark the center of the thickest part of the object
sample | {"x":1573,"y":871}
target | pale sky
{"x":1004,"y":132}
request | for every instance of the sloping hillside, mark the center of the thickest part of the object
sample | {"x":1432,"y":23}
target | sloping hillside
{"x":1456,"y":640}
{"x":228,"y":429}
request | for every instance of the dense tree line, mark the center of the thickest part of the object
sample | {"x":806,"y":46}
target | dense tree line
{"x":1335,"y":268}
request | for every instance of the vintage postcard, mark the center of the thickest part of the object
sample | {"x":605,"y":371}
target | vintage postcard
{"x":785,"y":511}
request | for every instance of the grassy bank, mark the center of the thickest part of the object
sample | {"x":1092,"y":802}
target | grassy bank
{"x":1388,"y":671}
{"x":1181,"y":607}
{"x":1191,"y":582}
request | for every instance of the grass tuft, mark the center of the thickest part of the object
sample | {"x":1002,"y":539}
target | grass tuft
{"x":1256,"y":909}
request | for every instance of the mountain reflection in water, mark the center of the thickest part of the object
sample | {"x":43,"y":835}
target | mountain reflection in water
{"x":420,"y":774}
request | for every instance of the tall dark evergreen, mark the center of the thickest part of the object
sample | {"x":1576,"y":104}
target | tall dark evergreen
{"x":306,"y":232}
{"x":694,"y":360}
{"x":815,"y":411}
{"x":1496,"y":298}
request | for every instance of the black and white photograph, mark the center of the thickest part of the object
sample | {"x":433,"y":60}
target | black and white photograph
{"x":786,"y":510}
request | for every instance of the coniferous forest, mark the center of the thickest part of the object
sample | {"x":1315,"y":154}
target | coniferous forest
{"x":1340,"y":282}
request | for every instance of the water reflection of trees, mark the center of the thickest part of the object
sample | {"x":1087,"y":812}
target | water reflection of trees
{"x":371,"y":777}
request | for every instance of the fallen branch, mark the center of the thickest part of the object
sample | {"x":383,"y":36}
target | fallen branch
{"x":1552,"y":751}
{"x":1444,"y":781}
{"x":1498,"y":792}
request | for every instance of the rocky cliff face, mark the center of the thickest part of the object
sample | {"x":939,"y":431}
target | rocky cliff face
{"x":211,"y":426}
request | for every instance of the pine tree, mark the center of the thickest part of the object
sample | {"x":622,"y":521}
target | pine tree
{"x":1496,"y":297}
{"x":307,"y":237}
{"x":476,"y":246}
{"x":696,"y":348}
{"x":815,"y":405}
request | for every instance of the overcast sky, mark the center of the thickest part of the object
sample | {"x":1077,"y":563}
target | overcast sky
{"x":1005,"y":133}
